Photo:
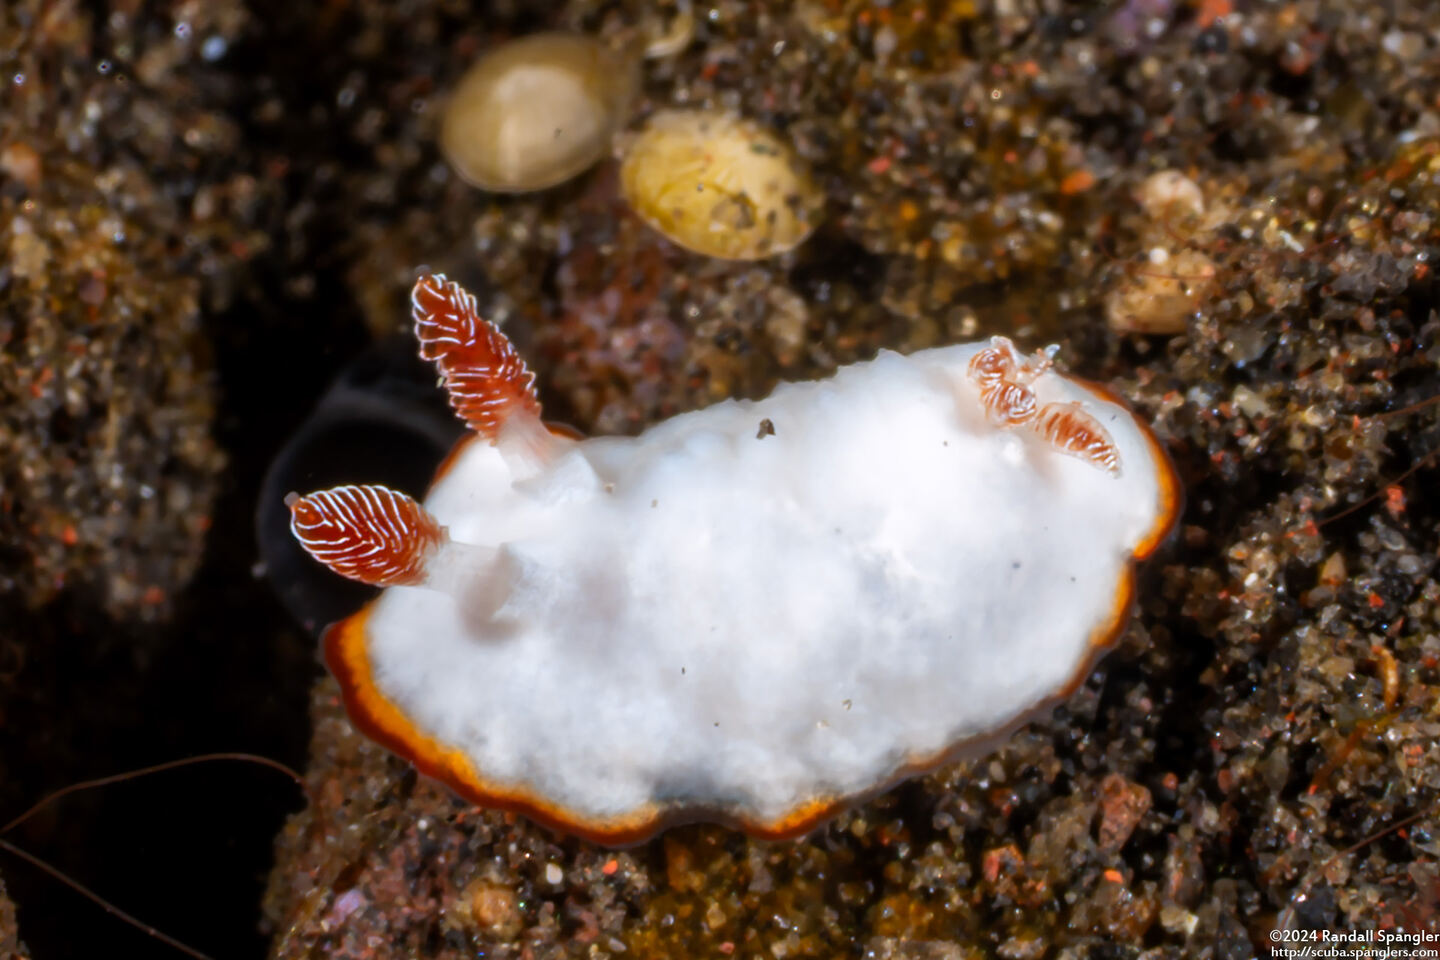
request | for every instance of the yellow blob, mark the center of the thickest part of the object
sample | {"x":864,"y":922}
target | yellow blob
{"x":537,"y":111}
{"x":719,"y":185}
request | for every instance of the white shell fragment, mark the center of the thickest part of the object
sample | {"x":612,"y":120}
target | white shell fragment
{"x":720,"y":619}
{"x":537,"y":111}
{"x":719,"y":185}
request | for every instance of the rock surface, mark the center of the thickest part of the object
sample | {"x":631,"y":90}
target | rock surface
{"x":987,"y":168}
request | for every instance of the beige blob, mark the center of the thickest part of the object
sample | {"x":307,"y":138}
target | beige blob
{"x":537,"y":111}
{"x":1159,"y":296}
{"x":1171,"y":194}
{"x":719,"y":185}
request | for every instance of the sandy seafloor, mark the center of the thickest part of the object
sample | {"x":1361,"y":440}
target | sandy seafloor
{"x":207,"y":209}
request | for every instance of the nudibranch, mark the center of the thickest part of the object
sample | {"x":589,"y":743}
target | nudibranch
{"x":754,"y":613}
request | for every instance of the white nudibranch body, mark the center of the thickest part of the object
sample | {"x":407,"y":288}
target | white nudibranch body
{"x":720,"y":620}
